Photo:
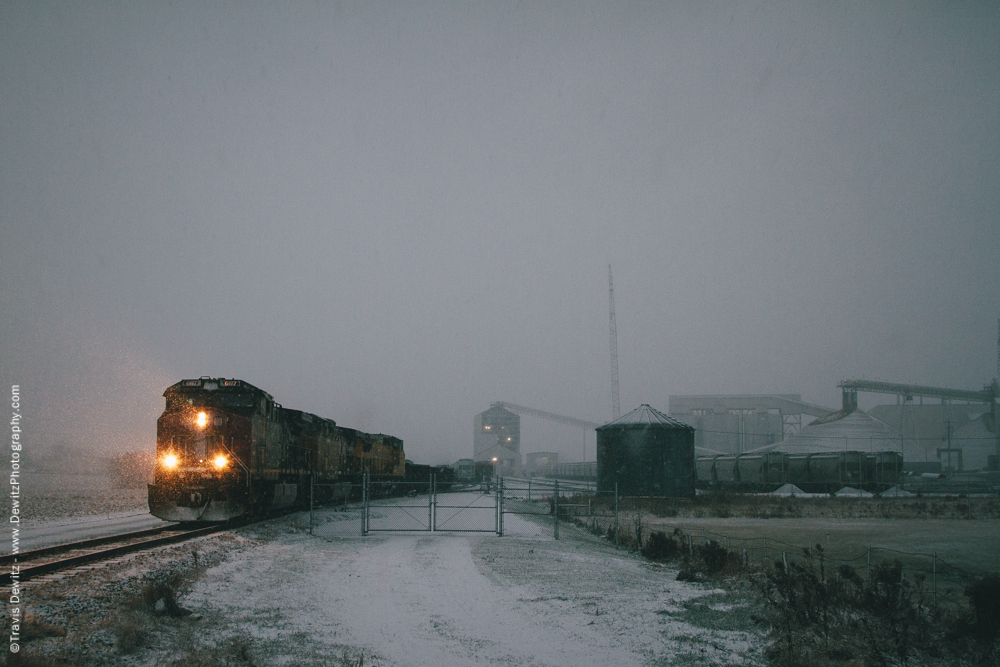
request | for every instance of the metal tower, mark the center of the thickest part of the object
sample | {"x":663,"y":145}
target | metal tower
{"x":616,"y":410}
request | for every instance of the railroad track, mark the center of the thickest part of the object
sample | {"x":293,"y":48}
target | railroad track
{"x":38,"y":562}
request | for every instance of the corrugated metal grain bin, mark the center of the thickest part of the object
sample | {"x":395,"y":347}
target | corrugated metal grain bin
{"x":647,"y":453}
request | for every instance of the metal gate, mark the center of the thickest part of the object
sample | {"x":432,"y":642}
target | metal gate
{"x":418,"y":507}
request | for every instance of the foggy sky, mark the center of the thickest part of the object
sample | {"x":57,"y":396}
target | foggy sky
{"x":393,"y":214}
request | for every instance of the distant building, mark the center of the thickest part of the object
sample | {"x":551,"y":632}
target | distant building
{"x":497,"y":435}
{"x":733,"y":424}
{"x":928,"y":428}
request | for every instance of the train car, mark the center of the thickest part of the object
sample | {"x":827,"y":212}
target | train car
{"x":705,"y":470}
{"x":225,"y":449}
{"x":820,"y":472}
{"x":575,"y":471}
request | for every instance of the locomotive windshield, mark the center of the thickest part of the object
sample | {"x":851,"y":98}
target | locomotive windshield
{"x":211,"y":399}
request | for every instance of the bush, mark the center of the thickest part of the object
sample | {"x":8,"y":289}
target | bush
{"x":714,"y":558}
{"x":985,"y":598}
{"x":816,"y":619}
{"x":661,"y":547}
{"x":163,"y":591}
{"x":130,"y":632}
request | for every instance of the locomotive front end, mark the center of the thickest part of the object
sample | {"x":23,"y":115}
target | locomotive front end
{"x":202,"y":449}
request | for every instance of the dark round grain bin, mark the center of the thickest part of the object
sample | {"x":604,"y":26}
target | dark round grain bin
{"x":647,"y":453}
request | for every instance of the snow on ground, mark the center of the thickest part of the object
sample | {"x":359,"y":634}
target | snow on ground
{"x":60,"y":508}
{"x":38,"y":534}
{"x":457,"y":599}
{"x":285,"y":597}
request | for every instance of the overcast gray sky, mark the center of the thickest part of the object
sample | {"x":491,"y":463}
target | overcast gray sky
{"x":392,"y":214}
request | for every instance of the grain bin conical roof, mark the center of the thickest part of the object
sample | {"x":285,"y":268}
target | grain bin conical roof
{"x":646,"y":416}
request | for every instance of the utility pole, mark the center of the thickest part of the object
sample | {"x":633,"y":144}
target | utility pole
{"x":616,"y":411}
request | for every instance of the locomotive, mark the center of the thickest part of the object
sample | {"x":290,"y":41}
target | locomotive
{"x":225,"y":449}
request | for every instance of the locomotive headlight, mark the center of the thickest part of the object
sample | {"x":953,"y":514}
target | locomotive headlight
{"x":201,"y":420}
{"x":170,"y":461}
{"x":221,"y":462}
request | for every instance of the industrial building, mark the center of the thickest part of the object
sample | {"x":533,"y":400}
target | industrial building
{"x":855,"y":431}
{"x":733,"y":424}
{"x":646,"y":453}
{"x":960,"y":432}
{"x":931,"y":430}
{"x":496,"y":438}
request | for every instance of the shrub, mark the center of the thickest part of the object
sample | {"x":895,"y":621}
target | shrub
{"x":164,"y":590}
{"x":714,"y":557}
{"x":661,"y":547}
{"x":985,"y":598}
{"x":130,"y":632}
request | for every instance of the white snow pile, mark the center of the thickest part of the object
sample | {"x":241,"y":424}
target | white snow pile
{"x":851,"y":492}
{"x":788,"y":490}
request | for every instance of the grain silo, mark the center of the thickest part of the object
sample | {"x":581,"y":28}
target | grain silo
{"x":646,"y":453}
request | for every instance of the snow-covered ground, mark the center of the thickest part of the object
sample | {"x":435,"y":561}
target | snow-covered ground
{"x":60,"y":508}
{"x":410,"y":599}
{"x":37,"y":534}
{"x":459,"y":599}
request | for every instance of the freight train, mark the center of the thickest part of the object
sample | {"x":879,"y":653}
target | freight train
{"x":225,"y":449}
{"x":813,"y":473}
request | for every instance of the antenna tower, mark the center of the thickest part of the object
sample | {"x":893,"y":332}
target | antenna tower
{"x":616,"y":410}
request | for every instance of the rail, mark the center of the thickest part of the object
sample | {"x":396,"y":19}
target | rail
{"x":31,"y":571}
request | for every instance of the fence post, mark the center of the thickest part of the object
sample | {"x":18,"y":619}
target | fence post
{"x":869,"y":563}
{"x":784,"y":560}
{"x":727,"y":543}
{"x":616,"y":515}
{"x":690,"y":546}
{"x":746,"y":558}
{"x":555,"y":497}
{"x":312,"y":484}
{"x":364,"y":503}
{"x":934,"y":579}
{"x":500,"y":509}
{"x":431,"y":515}
{"x":902,"y":580}
{"x":529,"y":489}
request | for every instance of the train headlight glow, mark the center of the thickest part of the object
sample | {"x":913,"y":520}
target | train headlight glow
{"x":221,"y":462}
{"x":201,"y":420}
{"x":170,"y":461}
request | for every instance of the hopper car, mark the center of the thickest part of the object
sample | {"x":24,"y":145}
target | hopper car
{"x":813,"y":473}
{"x":226,"y":449}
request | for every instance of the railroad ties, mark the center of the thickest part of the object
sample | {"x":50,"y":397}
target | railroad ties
{"x":61,"y":561}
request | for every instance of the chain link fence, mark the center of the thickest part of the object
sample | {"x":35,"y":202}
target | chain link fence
{"x":393,"y":506}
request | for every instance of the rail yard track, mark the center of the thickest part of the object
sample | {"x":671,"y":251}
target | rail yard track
{"x":38,"y":562}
